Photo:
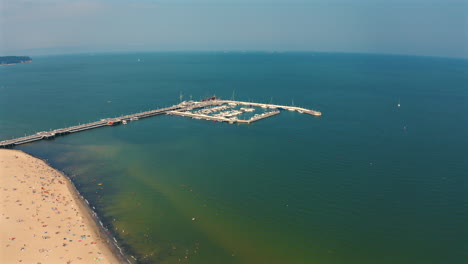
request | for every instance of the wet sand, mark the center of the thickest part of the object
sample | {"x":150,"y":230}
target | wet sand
{"x":42,"y":219}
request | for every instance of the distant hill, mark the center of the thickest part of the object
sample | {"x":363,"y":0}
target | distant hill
{"x":14,"y":59}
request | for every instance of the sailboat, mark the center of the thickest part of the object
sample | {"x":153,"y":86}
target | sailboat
{"x":292,"y":105}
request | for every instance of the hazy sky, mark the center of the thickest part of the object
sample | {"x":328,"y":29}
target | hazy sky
{"x":419,"y":27}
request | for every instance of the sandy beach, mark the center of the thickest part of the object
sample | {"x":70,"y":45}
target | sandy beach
{"x":42,"y":219}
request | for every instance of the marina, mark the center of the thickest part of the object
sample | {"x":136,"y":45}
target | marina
{"x":211,"y":109}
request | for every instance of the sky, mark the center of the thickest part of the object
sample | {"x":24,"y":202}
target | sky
{"x":413,"y":27}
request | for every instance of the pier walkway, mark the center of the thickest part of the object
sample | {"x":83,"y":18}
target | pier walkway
{"x":182,"y":109}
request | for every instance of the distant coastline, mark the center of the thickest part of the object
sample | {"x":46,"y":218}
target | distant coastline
{"x":11,"y":60}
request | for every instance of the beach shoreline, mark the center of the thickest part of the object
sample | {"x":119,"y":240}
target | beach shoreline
{"x":38,"y":237}
{"x":5,"y":64}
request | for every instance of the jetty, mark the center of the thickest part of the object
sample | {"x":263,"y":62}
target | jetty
{"x":224,"y":109}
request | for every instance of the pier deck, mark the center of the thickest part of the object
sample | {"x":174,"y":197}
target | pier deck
{"x":182,"y":109}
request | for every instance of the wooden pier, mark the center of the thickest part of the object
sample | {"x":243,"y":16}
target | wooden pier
{"x":182,"y":109}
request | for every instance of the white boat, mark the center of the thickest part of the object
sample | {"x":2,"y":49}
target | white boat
{"x":124,"y":122}
{"x":245,"y":109}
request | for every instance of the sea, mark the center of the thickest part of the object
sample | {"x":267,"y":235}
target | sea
{"x":379,"y":178}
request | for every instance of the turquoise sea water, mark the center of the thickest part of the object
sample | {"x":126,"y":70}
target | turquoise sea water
{"x":368,"y":182}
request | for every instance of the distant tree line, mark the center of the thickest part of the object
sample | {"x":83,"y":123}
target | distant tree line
{"x":14,"y":59}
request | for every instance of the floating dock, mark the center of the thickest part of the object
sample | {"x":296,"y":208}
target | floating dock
{"x":182,"y":109}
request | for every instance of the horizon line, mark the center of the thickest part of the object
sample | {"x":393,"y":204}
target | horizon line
{"x":226,"y":51}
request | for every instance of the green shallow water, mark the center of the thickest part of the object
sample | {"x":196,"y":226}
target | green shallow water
{"x":368,"y":182}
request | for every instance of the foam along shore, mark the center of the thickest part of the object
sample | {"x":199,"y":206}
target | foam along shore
{"x":42,"y":217}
